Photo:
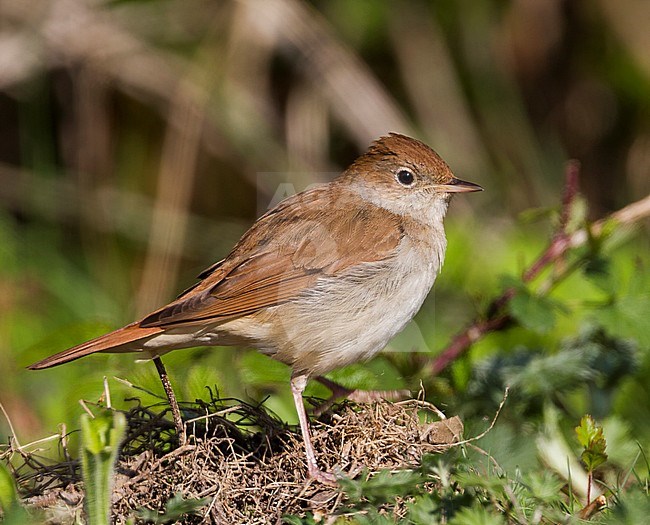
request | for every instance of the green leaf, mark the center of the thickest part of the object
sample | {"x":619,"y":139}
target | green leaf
{"x":480,"y":480}
{"x":590,"y":436}
{"x":422,"y":510}
{"x":381,"y":487}
{"x":598,"y":271}
{"x":101,"y":437}
{"x":11,"y":511}
{"x":297,"y":520}
{"x":258,"y":369}
{"x":532,"y":215}
{"x":175,"y":508}
{"x":545,"y":486}
{"x":510,"y":281}
{"x":625,"y":314}
{"x":593,"y":459}
{"x":476,"y":516}
{"x":586,"y":431}
{"x":8,"y":495}
{"x":534,"y":312}
{"x":628,"y":315}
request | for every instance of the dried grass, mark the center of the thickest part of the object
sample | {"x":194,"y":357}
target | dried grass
{"x":249,"y":463}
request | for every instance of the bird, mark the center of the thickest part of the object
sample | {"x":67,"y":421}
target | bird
{"x":324,"y":279}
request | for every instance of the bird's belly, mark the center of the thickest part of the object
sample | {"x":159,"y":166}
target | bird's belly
{"x":349,"y":318}
{"x":341,"y":320}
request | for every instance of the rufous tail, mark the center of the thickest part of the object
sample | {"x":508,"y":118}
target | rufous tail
{"x":104,"y":343}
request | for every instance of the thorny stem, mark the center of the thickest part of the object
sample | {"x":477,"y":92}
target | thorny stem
{"x":561,"y":242}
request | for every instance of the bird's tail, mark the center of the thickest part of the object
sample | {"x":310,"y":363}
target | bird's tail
{"x":105,"y":343}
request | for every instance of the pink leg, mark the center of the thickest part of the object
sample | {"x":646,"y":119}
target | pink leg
{"x":298,"y":384}
{"x":358,"y":396}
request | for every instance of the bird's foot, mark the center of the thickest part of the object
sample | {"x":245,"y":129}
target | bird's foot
{"x":358,"y":396}
{"x":322,"y":476}
{"x":368,"y":396}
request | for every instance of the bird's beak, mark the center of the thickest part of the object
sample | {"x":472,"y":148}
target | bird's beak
{"x":458,"y":186}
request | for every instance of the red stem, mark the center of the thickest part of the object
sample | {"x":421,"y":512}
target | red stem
{"x":497,"y":319}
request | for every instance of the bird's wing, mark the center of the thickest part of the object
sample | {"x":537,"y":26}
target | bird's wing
{"x":308,"y":236}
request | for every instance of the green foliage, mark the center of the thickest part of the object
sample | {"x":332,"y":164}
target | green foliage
{"x":590,"y":436}
{"x":588,"y":368}
{"x":477,"y":515}
{"x":379,"y":488}
{"x":452,"y":489}
{"x":626,"y":303}
{"x":11,"y":510}
{"x":535,"y":312}
{"x":8,"y":496}
{"x":175,"y":508}
{"x":298,"y":520}
{"x":101,"y":437}
{"x":455,"y":488}
{"x":632,"y":508}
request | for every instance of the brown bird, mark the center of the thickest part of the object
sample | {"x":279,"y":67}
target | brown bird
{"x":323,"y":280}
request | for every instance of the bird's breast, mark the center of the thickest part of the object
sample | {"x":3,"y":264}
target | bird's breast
{"x":349,"y":317}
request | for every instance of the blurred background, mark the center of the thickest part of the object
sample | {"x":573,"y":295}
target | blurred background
{"x":140,"y":139}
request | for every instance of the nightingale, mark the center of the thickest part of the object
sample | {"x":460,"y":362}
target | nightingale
{"x":324,"y":279}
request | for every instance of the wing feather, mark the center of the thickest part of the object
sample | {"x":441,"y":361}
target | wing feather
{"x":308,"y":236}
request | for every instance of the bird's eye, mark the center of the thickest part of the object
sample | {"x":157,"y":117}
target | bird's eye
{"x":405,"y":177}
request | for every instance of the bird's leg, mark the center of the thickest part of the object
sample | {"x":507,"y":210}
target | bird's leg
{"x":176,"y":412}
{"x":358,"y":396}
{"x":298,"y":384}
